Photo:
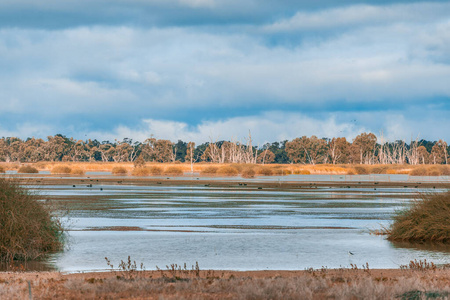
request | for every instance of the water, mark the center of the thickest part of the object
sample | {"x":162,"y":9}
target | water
{"x":232,"y":228}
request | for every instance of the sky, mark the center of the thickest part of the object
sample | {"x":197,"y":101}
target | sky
{"x":208,"y":70}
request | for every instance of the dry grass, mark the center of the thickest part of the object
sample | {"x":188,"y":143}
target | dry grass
{"x":77,"y":171}
{"x":61,"y":169}
{"x":27,"y":169}
{"x":174,"y":171}
{"x":277,"y":169}
{"x":426,"y":220}
{"x":141,"y":171}
{"x":264,"y":171}
{"x":227,"y":171}
{"x":119,"y":171}
{"x":209,"y":170}
{"x":2,"y":170}
{"x":248,"y":172}
{"x":26,"y":225}
{"x":430,"y":170}
{"x":155,"y":170}
{"x":174,"y":284}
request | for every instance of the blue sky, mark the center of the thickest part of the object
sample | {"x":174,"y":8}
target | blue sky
{"x":214,"y":69}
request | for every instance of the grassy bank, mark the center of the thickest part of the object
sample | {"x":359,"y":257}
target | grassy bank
{"x":27,"y":229}
{"x":427,"y":220}
{"x":214,"y":169}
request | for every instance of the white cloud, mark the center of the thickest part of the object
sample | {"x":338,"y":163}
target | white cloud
{"x":362,"y":15}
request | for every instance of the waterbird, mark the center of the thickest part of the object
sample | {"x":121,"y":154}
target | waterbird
{"x":350,"y":253}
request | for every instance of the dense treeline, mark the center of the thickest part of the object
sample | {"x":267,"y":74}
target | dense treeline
{"x":364,"y":149}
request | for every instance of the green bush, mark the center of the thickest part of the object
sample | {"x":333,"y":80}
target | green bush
{"x":27,"y":228}
{"x":426,"y":220}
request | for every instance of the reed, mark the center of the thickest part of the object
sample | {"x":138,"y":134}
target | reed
{"x":141,"y":171}
{"x":248,"y":172}
{"x":77,"y":171}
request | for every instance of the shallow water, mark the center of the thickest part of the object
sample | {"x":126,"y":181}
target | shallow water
{"x":231,"y":228}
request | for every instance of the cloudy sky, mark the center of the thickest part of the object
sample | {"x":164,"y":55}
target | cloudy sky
{"x":215,"y":69}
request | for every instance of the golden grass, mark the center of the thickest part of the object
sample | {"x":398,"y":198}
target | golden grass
{"x":277,"y":169}
{"x":62,"y":169}
{"x":248,"y":172}
{"x":27,"y":169}
{"x":174,"y":171}
{"x":168,"y":284}
{"x":141,"y":171}
{"x":227,"y":171}
{"x":119,"y":171}
{"x":264,"y":171}
{"x":77,"y":171}
{"x":2,"y":170}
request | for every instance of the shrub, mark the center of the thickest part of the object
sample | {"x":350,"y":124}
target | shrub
{"x":61,"y":170}
{"x":427,"y":219}
{"x":140,"y":172}
{"x":248,"y":173}
{"x":27,"y":229}
{"x":154,"y":170}
{"x":77,"y":171}
{"x":172,"y":170}
{"x":379,"y":169}
{"x":265,"y":171}
{"x":2,"y":170}
{"x":27,"y":169}
{"x":119,"y":171}
{"x":228,"y":171}
{"x":210,"y":170}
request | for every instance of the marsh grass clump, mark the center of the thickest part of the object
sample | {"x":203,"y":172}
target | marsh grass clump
{"x":155,"y":170}
{"x":210,"y":170}
{"x":2,"y":170}
{"x":27,"y":228}
{"x":28,"y":170}
{"x":264,"y":171}
{"x":248,"y":172}
{"x":77,"y":171}
{"x":141,"y":171}
{"x":173,"y":170}
{"x":119,"y":171}
{"x":61,"y":169}
{"x":427,"y":220}
{"x":228,"y":171}
{"x":361,"y":170}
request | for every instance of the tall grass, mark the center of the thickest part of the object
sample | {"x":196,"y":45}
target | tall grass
{"x":426,"y":220}
{"x":2,"y":170}
{"x":27,"y":228}
{"x":173,"y":170}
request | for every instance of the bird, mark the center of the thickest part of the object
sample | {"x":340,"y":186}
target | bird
{"x":350,"y":253}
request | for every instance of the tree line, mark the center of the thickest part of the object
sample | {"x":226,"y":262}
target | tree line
{"x":366,"y":148}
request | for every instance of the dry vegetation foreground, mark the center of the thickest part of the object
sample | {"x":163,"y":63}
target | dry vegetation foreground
{"x":178,"y":284}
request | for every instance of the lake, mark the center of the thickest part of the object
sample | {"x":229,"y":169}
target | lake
{"x":231,"y":228}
